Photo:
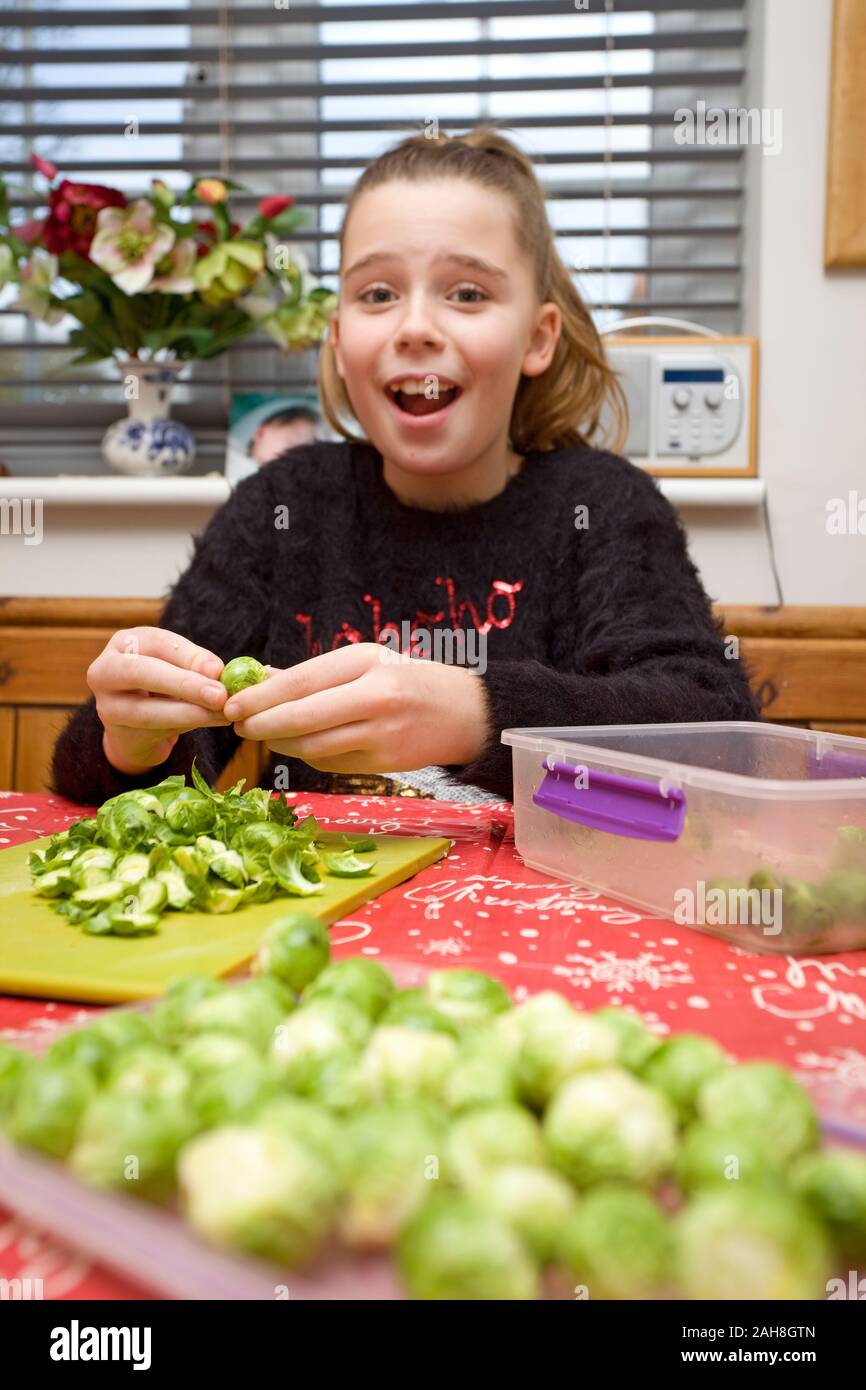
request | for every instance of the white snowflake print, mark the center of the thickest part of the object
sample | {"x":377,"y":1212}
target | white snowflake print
{"x":847,"y":1066}
{"x":448,"y":946}
{"x":621,"y":973}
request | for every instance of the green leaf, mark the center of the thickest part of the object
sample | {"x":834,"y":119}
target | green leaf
{"x":345,"y":864}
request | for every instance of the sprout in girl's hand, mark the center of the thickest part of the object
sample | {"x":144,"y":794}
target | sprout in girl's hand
{"x":604,"y":1125}
{"x":295,"y":949}
{"x":241,"y":672}
{"x":762,"y":1098}
{"x":466,"y":996}
{"x":253,"y":1188}
{"x":130,"y":1143}
{"x":748,"y":1243}
{"x":455,"y":1249}
{"x":363,"y":982}
{"x":617,"y":1244}
{"x":680,"y":1067}
{"x":49,"y":1101}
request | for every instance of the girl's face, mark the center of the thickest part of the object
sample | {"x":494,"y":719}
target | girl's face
{"x":435,"y":288}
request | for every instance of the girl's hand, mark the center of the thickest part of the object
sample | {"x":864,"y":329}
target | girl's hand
{"x":152,"y":685}
{"x":365,"y":708}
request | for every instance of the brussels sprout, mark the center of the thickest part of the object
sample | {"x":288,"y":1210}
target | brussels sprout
{"x":636,"y":1043}
{"x":211,"y":1052}
{"x":764,"y":1098}
{"x":338,"y":1083}
{"x":94,"y":857}
{"x":404,"y":1063}
{"x":230,"y":867}
{"x":171,"y":1014}
{"x":512,"y":1027}
{"x":482,"y":1075}
{"x":130,"y":1143}
{"x":804,"y":913}
{"x":55,"y":883}
{"x":294,"y":949}
{"x":13,"y":1064}
{"x":618,"y":1244}
{"x":241,"y":672}
{"x":833,"y":1186}
{"x":309,"y":1124}
{"x":410,"y":1008}
{"x":556,"y":1047}
{"x":255,"y":1189}
{"x":392,"y":1158}
{"x":85,"y":1046}
{"x":720,"y":1155}
{"x":323,"y":1030}
{"x":535,"y":1202}
{"x":605,"y":1126}
{"x":99,"y":894}
{"x":292,"y":872}
{"x":849,"y":847}
{"x":273,"y":990}
{"x":455,"y":1249}
{"x":680,"y":1067}
{"x":243,"y":1009}
{"x":234,"y":1093}
{"x":123,"y":1028}
{"x":345,"y":864}
{"x":746,"y":1243}
{"x":363,"y":982}
{"x":178,"y":893}
{"x":487,"y":1138}
{"x":191,"y":812}
{"x":218,"y":897}
{"x":845,"y":893}
{"x":49,"y":1100}
{"x":466,"y":996}
{"x":148,"y":1071}
{"x":131,"y":868}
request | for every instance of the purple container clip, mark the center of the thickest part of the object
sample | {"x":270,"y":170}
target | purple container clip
{"x":606,"y":801}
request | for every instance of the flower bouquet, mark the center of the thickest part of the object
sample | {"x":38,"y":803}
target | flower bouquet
{"x":153,"y":287}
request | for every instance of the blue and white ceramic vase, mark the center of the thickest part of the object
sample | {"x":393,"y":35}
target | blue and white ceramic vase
{"x":148,"y":443}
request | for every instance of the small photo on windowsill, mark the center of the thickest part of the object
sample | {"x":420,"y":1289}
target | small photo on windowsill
{"x":262,"y":426}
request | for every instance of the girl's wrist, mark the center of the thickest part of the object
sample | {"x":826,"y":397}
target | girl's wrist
{"x":137,"y":759}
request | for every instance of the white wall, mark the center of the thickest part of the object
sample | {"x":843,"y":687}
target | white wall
{"x":812,"y":329}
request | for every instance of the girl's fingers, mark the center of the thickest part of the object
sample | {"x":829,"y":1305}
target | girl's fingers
{"x":134,"y":671}
{"x":343,"y":705}
{"x":349,"y":740}
{"x":168,"y":646}
{"x":319,"y":673}
{"x":144,"y":712}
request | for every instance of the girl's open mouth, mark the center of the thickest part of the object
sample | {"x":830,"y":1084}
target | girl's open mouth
{"x":419,"y":405}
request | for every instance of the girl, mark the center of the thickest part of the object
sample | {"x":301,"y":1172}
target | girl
{"x":474,"y":511}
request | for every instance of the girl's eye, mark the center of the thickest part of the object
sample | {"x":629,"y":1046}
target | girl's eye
{"x":461,"y":289}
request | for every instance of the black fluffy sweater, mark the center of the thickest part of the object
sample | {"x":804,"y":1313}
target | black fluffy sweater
{"x":577,"y":576}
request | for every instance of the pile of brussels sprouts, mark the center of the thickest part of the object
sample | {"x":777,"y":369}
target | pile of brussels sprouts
{"x":174,"y":847}
{"x":813,"y":913}
{"x":496,"y":1152}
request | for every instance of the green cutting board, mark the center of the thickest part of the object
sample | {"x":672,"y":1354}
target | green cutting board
{"x":42,"y":954}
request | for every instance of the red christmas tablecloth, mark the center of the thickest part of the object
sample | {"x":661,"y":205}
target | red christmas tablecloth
{"x":481,"y":906}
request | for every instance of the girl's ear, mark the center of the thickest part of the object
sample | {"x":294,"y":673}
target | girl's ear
{"x":334,"y":339}
{"x":545,"y":337}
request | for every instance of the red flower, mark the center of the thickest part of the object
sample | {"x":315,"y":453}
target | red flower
{"x":212,"y":236}
{"x":71,"y":221}
{"x":44,"y":166}
{"x":272,"y":207}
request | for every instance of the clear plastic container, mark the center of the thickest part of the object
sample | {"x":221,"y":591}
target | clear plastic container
{"x":749,"y":831}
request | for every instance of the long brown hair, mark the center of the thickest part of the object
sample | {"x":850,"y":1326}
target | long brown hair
{"x":562,"y":406}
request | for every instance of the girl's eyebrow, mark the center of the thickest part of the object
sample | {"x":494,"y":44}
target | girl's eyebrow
{"x":458,"y":258}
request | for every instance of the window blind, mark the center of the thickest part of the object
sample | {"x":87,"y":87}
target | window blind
{"x":297,"y":98}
